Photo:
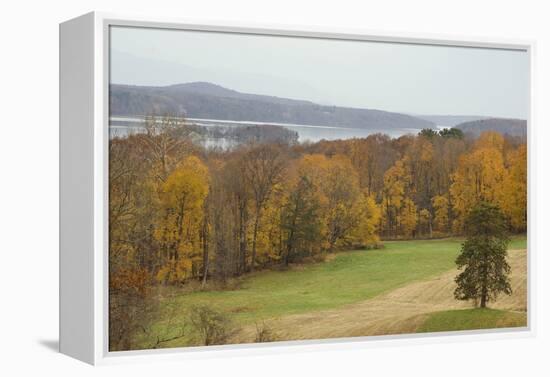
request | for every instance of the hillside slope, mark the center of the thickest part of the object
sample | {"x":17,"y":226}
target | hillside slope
{"x":512,"y":127}
{"x":209,"y":101}
{"x":449,"y":120}
{"x":401,"y":311}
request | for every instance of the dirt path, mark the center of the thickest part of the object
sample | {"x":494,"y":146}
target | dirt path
{"x":399,"y":311}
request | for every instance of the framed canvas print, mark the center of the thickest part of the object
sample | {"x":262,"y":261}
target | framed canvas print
{"x":237,"y":188}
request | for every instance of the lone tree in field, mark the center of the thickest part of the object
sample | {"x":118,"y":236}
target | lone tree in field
{"x":483,"y":256}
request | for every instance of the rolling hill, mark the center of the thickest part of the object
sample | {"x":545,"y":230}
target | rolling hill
{"x":210,"y":101}
{"x":512,"y":127}
{"x":449,"y":120}
{"x":405,"y":287}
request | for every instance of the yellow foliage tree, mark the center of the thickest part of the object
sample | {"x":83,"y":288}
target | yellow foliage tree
{"x":480,"y":175}
{"x":515,"y":189}
{"x":269,"y":233}
{"x":396,"y":182}
{"x":178,"y":228}
{"x":340,"y":186}
{"x":369,"y":215}
{"x":349,"y":215}
{"x":408,"y":218}
{"x":490,"y":139}
{"x":425,"y":221}
{"x":440,"y":205}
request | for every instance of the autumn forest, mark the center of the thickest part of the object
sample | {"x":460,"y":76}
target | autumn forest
{"x":186,"y":217}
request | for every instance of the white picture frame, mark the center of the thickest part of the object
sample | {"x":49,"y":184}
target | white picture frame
{"x":84,"y":138}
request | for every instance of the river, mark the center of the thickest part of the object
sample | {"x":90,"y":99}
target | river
{"x":123,"y":126}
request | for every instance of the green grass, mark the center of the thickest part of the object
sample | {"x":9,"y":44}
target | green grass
{"x":350,"y":277}
{"x":472,"y":319}
{"x":518,"y":242}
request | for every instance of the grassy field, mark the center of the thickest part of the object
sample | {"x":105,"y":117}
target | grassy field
{"x":348,"y":278}
{"x":472,"y":319}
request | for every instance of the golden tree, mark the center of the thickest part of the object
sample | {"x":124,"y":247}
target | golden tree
{"x":441,"y":219}
{"x":514,"y":204}
{"x":182,"y":199}
{"x":480,"y":176}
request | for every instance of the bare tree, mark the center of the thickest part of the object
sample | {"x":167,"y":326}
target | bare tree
{"x":204,"y":236}
{"x":223,"y":226}
{"x":165,"y":142}
{"x":264,"y":165}
{"x":239,"y":197}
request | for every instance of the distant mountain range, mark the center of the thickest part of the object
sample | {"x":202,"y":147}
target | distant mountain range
{"x":512,"y":127}
{"x":210,"y":101}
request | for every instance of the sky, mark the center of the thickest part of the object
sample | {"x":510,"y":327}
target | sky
{"x":407,"y":78}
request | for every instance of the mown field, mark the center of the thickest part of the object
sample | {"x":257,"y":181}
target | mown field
{"x":471,"y":319}
{"x":358,"y":284}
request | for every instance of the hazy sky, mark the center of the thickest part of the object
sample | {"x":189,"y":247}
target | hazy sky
{"x":395,"y":77}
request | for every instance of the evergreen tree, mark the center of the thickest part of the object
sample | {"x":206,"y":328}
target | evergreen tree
{"x":301,"y":218}
{"x":451,"y":133}
{"x":483,"y":256}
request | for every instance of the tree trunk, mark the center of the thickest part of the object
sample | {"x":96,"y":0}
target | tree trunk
{"x":205,"y":253}
{"x":483,"y":302}
{"x":288,"y":251}
{"x":289,"y":247}
{"x":484,"y":290}
{"x":254,"y":237}
{"x":242,"y":239}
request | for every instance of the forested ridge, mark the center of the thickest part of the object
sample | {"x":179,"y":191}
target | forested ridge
{"x":207,"y":100}
{"x":180,"y":214}
{"x":512,"y":127}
